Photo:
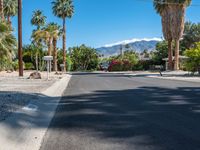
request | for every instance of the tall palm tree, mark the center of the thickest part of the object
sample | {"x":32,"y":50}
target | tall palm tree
{"x":10,"y":10}
{"x":57,"y":33}
{"x":20,"y":38}
{"x":1,"y":10}
{"x":177,"y":9}
{"x":162,"y":9}
{"x":63,"y":9}
{"x":38,"y":19}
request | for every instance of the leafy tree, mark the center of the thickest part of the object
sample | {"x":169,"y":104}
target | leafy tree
{"x":84,"y":58}
{"x":63,"y":9}
{"x":160,"y":53}
{"x":191,"y":35}
{"x":193,"y":63}
{"x":33,"y":54}
{"x":131,"y":56}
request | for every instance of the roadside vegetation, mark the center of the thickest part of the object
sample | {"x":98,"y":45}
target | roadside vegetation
{"x":180,"y":39}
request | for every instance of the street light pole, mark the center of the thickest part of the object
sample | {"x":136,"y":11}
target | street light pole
{"x":20,"y":38}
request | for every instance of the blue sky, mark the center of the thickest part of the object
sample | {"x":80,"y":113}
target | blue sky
{"x":100,"y":22}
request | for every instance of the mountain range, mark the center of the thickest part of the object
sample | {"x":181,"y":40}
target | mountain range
{"x":138,"y":45}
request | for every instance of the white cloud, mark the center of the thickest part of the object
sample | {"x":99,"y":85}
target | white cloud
{"x":132,"y":41}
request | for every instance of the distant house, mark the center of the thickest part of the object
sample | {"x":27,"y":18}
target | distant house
{"x":182,"y":59}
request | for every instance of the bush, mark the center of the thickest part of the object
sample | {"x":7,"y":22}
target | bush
{"x":15,"y":65}
{"x":5,"y":64}
{"x":127,"y":66}
{"x":193,"y":63}
{"x":29,"y":66}
{"x":68,"y":64}
{"x":115,"y":65}
{"x":118,"y":65}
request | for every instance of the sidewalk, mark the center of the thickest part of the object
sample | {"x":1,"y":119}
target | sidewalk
{"x":25,"y":128}
{"x":168,"y":75}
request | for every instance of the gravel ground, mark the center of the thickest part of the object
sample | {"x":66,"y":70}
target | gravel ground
{"x":16,"y":92}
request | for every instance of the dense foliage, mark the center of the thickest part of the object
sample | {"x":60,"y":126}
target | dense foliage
{"x":84,"y":58}
{"x":191,"y":35}
{"x":123,"y":63}
{"x":160,"y":52}
{"x":193,"y":63}
{"x":7,"y":46}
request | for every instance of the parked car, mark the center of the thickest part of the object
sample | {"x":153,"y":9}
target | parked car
{"x":104,"y":66}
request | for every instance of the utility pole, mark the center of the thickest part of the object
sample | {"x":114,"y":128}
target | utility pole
{"x":121,"y":51}
{"x":20,"y":38}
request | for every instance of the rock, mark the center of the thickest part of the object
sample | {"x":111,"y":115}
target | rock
{"x":57,"y":73}
{"x":35,"y":75}
{"x":9,"y":71}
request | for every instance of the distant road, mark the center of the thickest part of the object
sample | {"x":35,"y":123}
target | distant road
{"x":118,"y":112}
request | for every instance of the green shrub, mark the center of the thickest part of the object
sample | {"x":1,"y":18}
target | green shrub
{"x":15,"y":65}
{"x":193,"y":63}
{"x":29,"y":66}
{"x":68,"y":64}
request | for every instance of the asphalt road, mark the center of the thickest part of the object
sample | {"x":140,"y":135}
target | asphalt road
{"x":118,"y":112}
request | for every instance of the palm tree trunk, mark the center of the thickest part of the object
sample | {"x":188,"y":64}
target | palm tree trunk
{"x":170,"y":55}
{"x":176,"y":62}
{"x":9,"y":22}
{"x":64,"y":44}
{"x":1,"y":10}
{"x":20,"y":38}
{"x":55,"y":64}
{"x":36,"y":61}
{"x":49,"y":46}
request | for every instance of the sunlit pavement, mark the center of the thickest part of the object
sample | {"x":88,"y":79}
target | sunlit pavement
{"x":120,"y":112}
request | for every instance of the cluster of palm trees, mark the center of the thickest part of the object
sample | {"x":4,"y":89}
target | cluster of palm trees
{"x":45,"y":33}
{"x":173,"y":20}
{"x":50,"y":33}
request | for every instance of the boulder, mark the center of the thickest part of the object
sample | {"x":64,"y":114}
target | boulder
{"x":58,"y":73}
{"x":35,"y":75}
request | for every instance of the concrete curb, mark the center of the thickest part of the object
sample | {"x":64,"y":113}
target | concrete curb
{"x":25,"y":129}
{"x":192,"y":79}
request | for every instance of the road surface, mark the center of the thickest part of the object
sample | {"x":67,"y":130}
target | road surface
{"x":118,"y":112}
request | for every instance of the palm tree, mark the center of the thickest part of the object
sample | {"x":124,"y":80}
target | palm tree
{"x":63,"y":9}
{"x":177,"y":10}
{"x":1,"y":10}
{"x":57,"y":33}
{"x":38,"y":19}
{"x":42,"y":35}
{"x":10,"y":10}
{"x":7,"y":41}
{"x":162,"y":9}
{"x":46,"y":34}
{"x":20,"y":38}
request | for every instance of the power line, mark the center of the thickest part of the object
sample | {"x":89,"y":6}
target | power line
{"x":194,"y":5}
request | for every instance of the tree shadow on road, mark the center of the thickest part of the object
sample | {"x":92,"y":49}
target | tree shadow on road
{"x":161,"y":118}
